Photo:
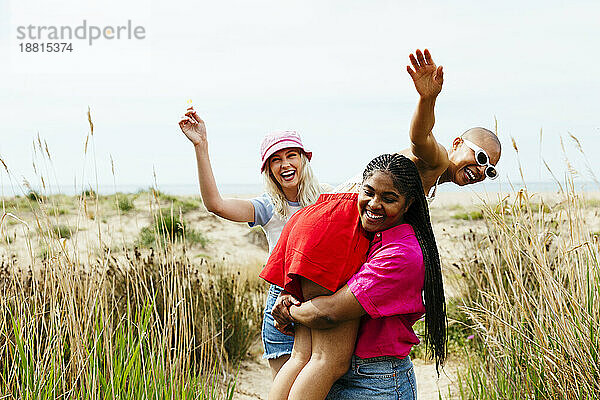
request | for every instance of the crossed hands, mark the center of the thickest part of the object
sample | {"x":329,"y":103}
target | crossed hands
{"x":281,"y":313}
{"x":427,"y":77}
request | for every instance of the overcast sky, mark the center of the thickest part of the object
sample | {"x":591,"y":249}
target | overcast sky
{"x":333,"y":70}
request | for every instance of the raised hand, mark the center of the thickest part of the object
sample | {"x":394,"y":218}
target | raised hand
{"x":193,"y":127}
{"x":427,"y":77}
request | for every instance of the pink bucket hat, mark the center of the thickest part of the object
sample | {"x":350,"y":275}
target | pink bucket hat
{"x":276,"y":141}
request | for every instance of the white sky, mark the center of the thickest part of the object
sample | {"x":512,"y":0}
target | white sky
{"x":333,"y":70}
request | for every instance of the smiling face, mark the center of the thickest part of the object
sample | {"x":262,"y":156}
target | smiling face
{"x":463,"y":168}
{"x":285,"y":166}
{"x":380,"y":204}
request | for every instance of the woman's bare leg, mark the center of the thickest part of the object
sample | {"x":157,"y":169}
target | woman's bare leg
{"x":297,"y":360}
{"x":301,"y":351}
{"x":331,"y":353}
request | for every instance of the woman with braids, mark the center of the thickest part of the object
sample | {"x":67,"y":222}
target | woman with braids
{"x":321,"y":259}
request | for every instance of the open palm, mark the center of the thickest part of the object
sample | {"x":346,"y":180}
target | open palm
{"x":427,"y":77}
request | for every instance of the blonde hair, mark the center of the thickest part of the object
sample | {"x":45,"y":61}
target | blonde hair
{"x":308,"y":188}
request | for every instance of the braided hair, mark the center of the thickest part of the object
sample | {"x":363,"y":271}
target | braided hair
{"x":407,"y":181}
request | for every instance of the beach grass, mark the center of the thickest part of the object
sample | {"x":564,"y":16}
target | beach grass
{"x":137,"y":323}
{"x":85,"y":313}
{"x":124,"y":203}
{"x":169,"y":226}
{"x":152,"y":328}
{"x":532,"y":292}
{"x":469,"y":216}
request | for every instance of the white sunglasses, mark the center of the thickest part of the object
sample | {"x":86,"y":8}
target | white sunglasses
{"x":482,"y":158}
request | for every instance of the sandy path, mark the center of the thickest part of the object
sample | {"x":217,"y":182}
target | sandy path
{"x":254,"y":380}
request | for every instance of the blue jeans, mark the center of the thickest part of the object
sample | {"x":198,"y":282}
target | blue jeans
{"x":376,"y":378}
{"x":275,"y":343}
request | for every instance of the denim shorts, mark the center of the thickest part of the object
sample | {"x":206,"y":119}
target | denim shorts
{"x":376,"y":378}
{"x":275,"y":343}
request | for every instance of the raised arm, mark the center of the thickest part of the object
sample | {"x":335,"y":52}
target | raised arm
{"x":237,"y":210}
{"x":428,"y":80}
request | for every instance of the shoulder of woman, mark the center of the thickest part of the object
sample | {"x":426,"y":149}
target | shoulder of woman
{"x":264,"y":198}
{"x":263,"y":209}
{"x":407,"y":247}
{"x":326,"y":188}
{"x":349,"y":186}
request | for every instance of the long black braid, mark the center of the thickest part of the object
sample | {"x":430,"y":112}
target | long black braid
{"x":407,"y":181}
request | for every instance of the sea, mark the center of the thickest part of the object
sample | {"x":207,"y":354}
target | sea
{"x":244,"y":189}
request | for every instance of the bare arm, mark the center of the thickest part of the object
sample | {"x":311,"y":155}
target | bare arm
{"x":428,"y":80}
{"x":327,"y":311}
{"x":237,"y":210}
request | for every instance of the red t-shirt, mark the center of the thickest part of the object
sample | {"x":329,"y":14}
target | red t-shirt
{"x":323,"y":242}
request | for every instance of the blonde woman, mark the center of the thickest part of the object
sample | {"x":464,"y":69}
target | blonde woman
{"x":290,"y":185}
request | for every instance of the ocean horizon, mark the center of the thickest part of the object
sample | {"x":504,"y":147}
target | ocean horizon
{"x":256,"y":189}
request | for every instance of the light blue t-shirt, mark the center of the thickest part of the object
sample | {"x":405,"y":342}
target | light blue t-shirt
{"x":265,"y":217}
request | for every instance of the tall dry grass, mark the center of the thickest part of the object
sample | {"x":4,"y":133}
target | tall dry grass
{"x":85,"y":318}
{"x":532,"y":291}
